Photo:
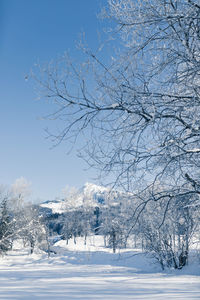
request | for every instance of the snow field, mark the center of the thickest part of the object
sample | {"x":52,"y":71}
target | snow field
{"x":92,"y":272}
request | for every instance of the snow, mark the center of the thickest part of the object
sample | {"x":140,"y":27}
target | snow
{"x":92,"y":272}
{"x":195,"y":150}
{"x":88,"y":196}
{"x":114,"y":105}
{"x":56,"y":206}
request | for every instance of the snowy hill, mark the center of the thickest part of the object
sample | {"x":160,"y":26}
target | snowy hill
{"x":90,"y":195}
{"x":54,"y":206}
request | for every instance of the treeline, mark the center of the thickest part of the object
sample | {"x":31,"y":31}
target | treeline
{"x":167,"y":230}
{"x":21,"y":221}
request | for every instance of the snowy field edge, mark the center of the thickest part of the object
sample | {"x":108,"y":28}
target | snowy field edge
{"x":91,"y":271}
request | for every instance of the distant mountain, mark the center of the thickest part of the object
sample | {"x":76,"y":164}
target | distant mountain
{"x":53,"y":206}
{"x":90,"y":195}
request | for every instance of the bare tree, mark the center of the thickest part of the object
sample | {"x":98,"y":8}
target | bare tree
{"x":169,"y":241}
{"x":139,"y":111}
{"x":31,"y":227}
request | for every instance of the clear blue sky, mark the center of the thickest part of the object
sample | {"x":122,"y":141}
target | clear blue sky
{"x":32,"y":31}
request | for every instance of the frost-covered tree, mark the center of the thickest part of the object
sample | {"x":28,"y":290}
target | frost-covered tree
{"x":140,"y":108}
{"x":21,"y":190}
{"x":169,"y":237}
{"x":77,"y":222}
{"x":20,"y":220}
{"x":29,"y":224}
{"x":79,"y":215}
{"x":6,"y":226}
{"x":114,"y":222}
{"x":31,"y":228}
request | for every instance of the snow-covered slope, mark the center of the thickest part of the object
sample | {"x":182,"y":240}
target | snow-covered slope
{"x":55,"y":206}
{"x":90,"y":195}
{"x":92,"y":272}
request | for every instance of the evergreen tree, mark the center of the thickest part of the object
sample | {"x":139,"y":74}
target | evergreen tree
{"x":6,"y":228}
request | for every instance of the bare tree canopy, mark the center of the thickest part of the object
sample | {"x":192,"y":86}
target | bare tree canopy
{"x":140,"y":112}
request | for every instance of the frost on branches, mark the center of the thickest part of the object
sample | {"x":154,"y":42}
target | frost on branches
{"x":141,"y":109}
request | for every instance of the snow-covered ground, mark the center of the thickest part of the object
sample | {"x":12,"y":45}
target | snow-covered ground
{"x":92,"y":272}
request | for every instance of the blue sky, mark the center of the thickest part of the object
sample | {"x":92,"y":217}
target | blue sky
{"x":32,"y":31}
